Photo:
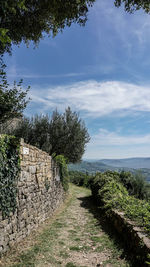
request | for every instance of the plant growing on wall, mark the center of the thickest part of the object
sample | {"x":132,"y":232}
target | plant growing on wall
{"x":9,"y":170}
{"x":63,"y":170}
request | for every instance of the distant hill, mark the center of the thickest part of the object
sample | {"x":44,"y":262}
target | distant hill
{"x":86,"y":166}
{"x":135,"y":163}
{"x":114,"y":165}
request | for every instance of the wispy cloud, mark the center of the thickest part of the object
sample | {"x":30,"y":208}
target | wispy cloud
{"x":123,"y":25}
{"x":94,"y":98}
{"x":107,"y":138}
{"x":14,"y":73}
{"x":121,"y":39}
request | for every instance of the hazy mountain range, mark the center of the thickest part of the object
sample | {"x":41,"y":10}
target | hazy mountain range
{"x":136,"y":163}
{"x":129,"y":164}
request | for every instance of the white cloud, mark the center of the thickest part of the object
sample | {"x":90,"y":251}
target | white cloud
{"x":106,"y":138}
{"x":13,"y":72}
{"x":95,"y":98}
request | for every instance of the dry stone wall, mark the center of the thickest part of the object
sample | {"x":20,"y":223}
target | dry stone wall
{"x":39,"y":194}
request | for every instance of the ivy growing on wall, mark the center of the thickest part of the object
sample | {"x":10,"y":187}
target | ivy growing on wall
{"x":63,"y":170}
{"x":9,"y":170}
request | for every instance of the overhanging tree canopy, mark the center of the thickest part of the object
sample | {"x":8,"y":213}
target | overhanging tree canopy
{"x":133,"y":5}
{"x":12,"y":99}
{"x":25,"y":20}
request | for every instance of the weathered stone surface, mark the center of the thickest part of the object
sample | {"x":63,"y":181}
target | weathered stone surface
{"x":133,"y":236}
{"x":36,"y":201}
{"x":32,"y":169}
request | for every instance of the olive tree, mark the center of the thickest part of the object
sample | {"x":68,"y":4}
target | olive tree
{"x":63,"y":134}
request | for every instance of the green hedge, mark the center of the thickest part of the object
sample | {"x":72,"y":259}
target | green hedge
{"x":9,"y":170}
{"x":110,"y":194}
{"x":80,"y":178}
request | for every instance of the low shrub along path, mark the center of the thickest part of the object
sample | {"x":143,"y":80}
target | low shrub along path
{"x":75,"y":237}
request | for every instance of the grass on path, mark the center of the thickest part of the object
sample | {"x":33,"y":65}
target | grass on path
{"x":76,"y":237}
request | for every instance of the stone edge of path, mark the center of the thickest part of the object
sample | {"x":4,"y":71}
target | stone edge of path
{"x":133,"y":236}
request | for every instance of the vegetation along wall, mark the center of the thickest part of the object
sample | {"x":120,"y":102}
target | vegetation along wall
{"x":127,"y":213}
{"x":30,"y":189}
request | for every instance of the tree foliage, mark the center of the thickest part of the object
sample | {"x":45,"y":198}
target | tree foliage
{"x":80,"y":178}
{"x":62,"y":134}
{"x":136,"y":184}
{"x":12,"y":100}
{"x":35,"y":131}
{"x":26,"y":20}
{"x":133,"y":5}
{"x":68,"y":135}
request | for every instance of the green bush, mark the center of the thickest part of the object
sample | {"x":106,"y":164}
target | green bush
{"x":110,"y":194}
{"x":63,"y":170}
{"x":9,"y":169}
{"x":136,"y":184}
{"x":80,"y":178}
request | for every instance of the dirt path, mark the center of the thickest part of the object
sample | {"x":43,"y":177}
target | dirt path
{"x":74,"y":239}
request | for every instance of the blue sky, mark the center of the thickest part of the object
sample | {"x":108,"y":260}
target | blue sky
{"x":102,"y":71}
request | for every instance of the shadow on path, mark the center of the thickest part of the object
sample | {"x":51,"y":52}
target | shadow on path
{"x":89,"y":204}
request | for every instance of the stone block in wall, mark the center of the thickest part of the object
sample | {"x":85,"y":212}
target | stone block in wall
{"x":3,"y":223}
{"x":25,"y":176}
{"x":12,"y":242}
{"x":12,"y":237}
{"x":9,"y":228}
{"x":32,"y":169}
{"x":133,"y":236}
{"x":2,"y":241}
{"x":14,"y":228}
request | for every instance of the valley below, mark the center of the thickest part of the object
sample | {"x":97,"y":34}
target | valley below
{"x":132,"y":165}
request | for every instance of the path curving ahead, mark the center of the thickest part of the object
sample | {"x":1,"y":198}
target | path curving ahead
{"x":75,"y":238}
